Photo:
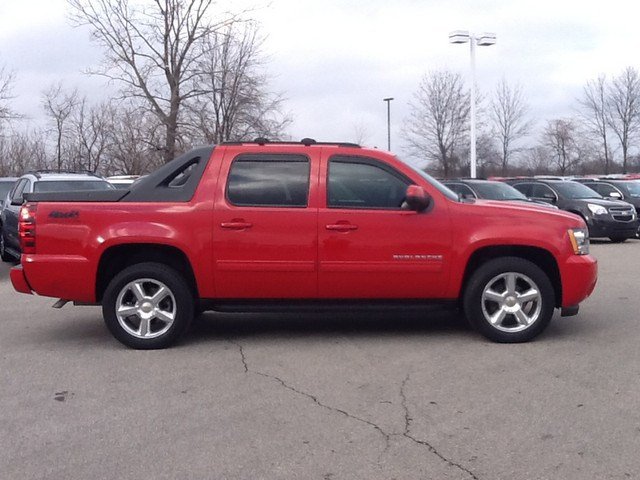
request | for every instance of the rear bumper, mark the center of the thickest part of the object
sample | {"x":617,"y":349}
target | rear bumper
{"x":19,"y":281}
{"x":579,"y":274}
{"x":60,"y":276}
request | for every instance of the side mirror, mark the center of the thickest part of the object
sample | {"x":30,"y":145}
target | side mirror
{"x":615,"y":195}
{"x":17,"y":201}
{"x":417,"y":199}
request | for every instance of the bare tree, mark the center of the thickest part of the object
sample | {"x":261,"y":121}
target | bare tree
{"x":23,"y":151}
{"x":134,"y":138}
{"x":624,"y":110}
{"x":233,"y":101}
{"x":508,"y":113}
{"x":595,"y":112}
{"x":560,"y":137}
{"x":6,"y":83}
{"x":438,"y":120}
{"x":91,"y":135}
{"x":152,"y":48}
{"x":59,"y":105}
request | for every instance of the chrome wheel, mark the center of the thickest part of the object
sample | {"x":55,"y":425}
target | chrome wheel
{"x":511,"y":302}
{"x":145,"y":308}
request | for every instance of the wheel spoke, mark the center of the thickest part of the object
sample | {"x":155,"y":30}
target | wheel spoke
{"x":498,"y":317}
{"x":145,"y":327}
{"x":522,"y":317}
{"x":166,"y":317}
{"x":529,"y":295}
{"x":510,"y":281}
{"x":159,"y":296}
{"x":493,"y":296}
{"x":127,"y":310}
{"x":138,"y":291}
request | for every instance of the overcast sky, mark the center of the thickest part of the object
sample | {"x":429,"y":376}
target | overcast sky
{"x":336,"y":60}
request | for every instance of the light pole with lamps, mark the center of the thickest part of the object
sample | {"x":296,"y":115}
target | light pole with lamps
{"x":388,"y":100}
{"x":483,"y":40}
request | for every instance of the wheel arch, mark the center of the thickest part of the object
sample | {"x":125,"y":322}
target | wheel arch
{"x":114,"y":259}
{"x":536,"y":255}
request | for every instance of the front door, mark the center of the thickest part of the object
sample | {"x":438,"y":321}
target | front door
{"x":265,"y":226}
{"x":370,"y":245}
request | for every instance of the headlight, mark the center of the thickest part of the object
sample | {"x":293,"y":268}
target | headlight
{"x":579,"y":238}
{"x":597,"y":209}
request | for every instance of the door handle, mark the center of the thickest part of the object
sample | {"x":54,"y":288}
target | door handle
{"x":236,"y":225}
{"x":341,"y":227}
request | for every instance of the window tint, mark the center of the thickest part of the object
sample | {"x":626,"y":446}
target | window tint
{"x":359,"y":183}
{"x":524,"y":188}
{"x":70,"y":185}
{"x":542,"y":191}
{"x":604,"y":189}
{"x":269,"y":180}
{"x":4,"y":189}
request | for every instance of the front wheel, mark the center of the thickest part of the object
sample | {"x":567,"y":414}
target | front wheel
{"x":617,"y":239}
{"x":148,"y":306}
{"x":509,"y":300}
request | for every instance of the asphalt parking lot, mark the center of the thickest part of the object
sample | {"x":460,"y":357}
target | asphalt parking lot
{"x":401,"y":395}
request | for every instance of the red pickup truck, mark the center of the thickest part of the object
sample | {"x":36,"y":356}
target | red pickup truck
{"x":259,"y":225}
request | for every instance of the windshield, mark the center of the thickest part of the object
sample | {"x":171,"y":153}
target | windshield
{"x":497,"y":191}
{"x":575,"y":190}
{"x":443,"y":189}
{"x":70,"y":185}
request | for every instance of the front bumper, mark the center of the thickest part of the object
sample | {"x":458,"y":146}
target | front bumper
{"x":579,"y":274}
{"x":608,"y":227}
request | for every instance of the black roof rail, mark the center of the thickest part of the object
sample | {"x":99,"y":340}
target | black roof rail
{"x":305,"y":141}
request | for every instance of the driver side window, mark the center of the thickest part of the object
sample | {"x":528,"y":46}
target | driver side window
{"x":355,"y":182}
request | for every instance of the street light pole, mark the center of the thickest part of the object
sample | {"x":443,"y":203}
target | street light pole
{"x":484,"y":40}
{"x":388,"y":100}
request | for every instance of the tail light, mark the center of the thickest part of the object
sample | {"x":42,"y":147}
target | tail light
{"x":27,"y":228}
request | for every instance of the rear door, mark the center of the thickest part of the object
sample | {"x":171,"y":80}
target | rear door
{"x":265,"y":224}
{"x":369,"y":245}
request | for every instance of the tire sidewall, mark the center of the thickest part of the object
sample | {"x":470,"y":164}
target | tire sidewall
{"x":179,"y":288}
{"x":472,"y":301}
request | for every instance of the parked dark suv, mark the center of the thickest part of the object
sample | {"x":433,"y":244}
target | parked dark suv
{"x":614,"y":219}
{"x":617,"y":189}
{"x":39,"y":182}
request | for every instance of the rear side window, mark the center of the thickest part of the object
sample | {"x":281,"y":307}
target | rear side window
{"x":542,"y":191}
{"x":70,"y":186}
{"x":524,"y":188}
{"x":269,"y":181}
{"x":364,"y":183}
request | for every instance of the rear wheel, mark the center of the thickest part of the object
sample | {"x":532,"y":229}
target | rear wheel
{"x":148,"y":306}
{"x":509,"y":300}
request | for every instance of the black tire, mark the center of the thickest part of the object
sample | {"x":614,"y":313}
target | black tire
{"x":176,"y":302}
{"x":4,"y":254}
{"x":493,"y":275}
{"x":617,"y":239}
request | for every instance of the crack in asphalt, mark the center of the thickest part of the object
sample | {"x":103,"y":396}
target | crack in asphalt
{"x":407,"y":434}
{"x":387,"y":436}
